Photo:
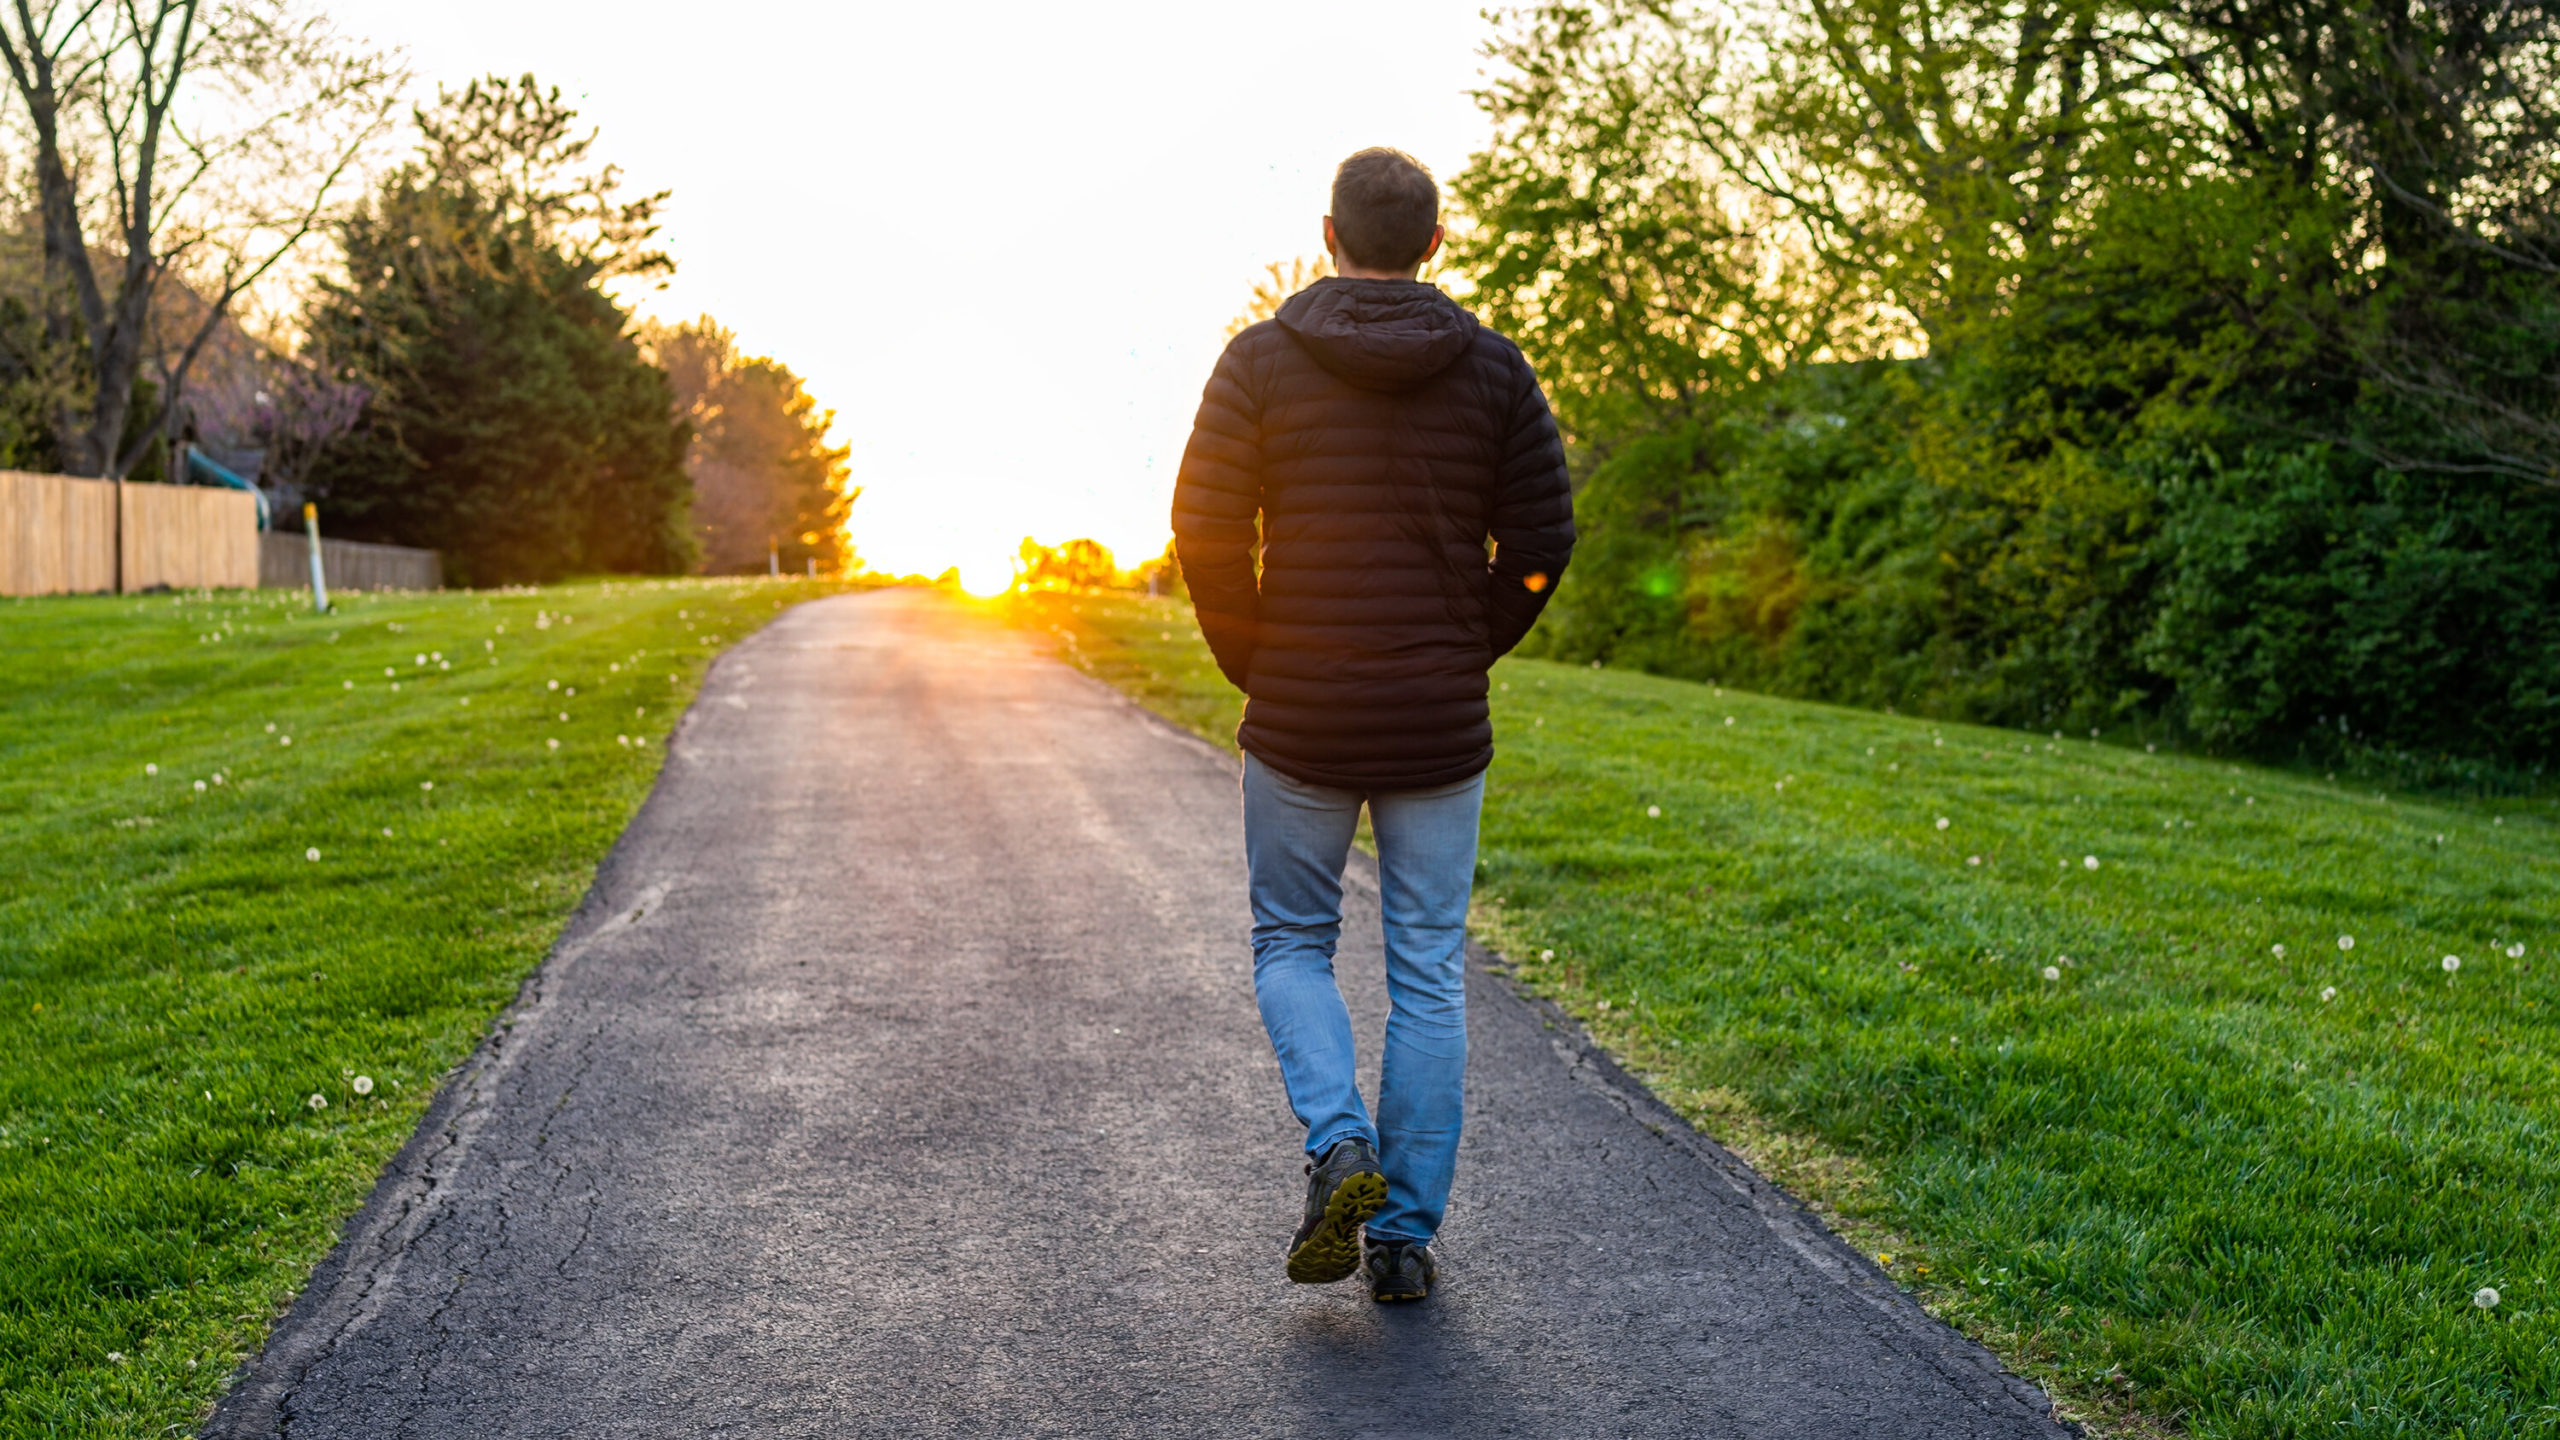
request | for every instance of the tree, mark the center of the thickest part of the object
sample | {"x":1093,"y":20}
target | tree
{"x":1279,"y":281}
{"x":2052,"y":361}
{"x":172,"y":143}
{"x":767,"y":487}
{"x":511,"y":420}
{"x":1074,"y":565}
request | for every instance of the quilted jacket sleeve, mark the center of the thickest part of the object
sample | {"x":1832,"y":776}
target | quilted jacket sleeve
{"x":1217,"y":507}
{"x":1532,"y":517}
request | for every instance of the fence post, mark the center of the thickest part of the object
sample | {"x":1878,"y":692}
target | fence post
{"x":319,"y":576}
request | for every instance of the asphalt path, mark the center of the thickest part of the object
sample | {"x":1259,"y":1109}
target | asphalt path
{"x":900,"y":1077}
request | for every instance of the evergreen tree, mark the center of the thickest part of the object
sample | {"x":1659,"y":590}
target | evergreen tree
{"x":512,"y":423}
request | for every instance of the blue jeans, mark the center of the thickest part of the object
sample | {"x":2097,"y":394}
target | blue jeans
{"x":1296,"y":838}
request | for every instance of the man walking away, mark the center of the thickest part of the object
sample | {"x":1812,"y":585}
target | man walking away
{"x":1376,"y":442}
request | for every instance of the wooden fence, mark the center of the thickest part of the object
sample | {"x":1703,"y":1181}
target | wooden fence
{"x":284,"y":560}
{"x":58,"y":536}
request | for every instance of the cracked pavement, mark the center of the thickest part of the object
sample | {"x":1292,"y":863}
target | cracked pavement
{"x":901,"y":1076}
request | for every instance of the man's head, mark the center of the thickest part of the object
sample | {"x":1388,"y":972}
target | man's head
{"x":1386,"y":215}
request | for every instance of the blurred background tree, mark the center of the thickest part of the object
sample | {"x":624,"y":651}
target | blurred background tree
{"x":1073,"y":565}
{"x":1280,"y":280}
{"x":767,"y":487}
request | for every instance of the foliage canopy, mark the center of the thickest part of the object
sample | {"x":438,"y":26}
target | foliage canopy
{"x":2184,"y":366}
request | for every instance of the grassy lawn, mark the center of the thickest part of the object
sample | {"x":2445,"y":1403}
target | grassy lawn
{"x":267,"y":875}
{"x":2152,"y":1072}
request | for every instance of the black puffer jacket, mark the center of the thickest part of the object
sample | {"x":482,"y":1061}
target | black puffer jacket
{"x":1380,"y":436}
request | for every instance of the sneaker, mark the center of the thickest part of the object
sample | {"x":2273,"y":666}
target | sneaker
{"x":1344,"y":1189}
{"x":1400,"y":1270}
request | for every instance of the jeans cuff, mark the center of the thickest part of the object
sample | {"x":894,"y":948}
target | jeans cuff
{"x":1316,"y":1150}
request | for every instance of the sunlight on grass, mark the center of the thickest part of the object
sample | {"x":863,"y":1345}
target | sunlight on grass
{"x":2150,"y":1071}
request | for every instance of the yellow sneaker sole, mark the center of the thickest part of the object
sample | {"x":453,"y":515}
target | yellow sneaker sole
{"x":1332,"y":1252}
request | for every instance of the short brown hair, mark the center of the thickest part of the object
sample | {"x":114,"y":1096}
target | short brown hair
{"x":1385,"y":206}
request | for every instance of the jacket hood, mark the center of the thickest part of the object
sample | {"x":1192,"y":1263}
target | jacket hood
{"x":1379,"y":334}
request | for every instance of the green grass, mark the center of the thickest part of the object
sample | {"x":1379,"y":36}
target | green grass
{"x":188,"y":999}
{"x":2173,"y":1182}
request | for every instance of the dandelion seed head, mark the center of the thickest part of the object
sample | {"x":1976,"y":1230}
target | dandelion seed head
{"x":362,"y":1085}
{"x":1653,"y":812}
{"x":2515,"y":952}
{"x":2451,"y":963}
{"x":311,"y":854}
{"x":317,"y":1101}
{"x":1728,"y":719}
{"x":554,"y":685}
{"x":2346,"y":942}
{"x":426,"y":784}
{"x":2053,"y":972}
{"x":2279,"y":950}
{"x":552,"y":744}
{"x":1546,"y":954}
{"x":150,"y":769}
{"x":2088,"y":862}
{"x":1944,"y":822}
{"x":2486,"y":1297}
{"x":2328,"y":993}
{"x":1973,"y":859}
{"x":199,"y":787}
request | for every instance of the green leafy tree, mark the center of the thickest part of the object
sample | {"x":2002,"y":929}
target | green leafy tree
{"x":512,"y":422}
{"x":767,"y":487}
{"x":1975,"y":357}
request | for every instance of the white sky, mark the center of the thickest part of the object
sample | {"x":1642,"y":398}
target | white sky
{"x":1000,"y":240}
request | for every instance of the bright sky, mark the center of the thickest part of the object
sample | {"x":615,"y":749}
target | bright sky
{"x":1001,"y":240}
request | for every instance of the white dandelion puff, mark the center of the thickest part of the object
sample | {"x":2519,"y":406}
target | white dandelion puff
{"x":1653,"y":812}
{"x":2279,"y":950}
{"x":350,"y":684}
{"x":362,"y":1085}
{"x":2515,"y":952}
{"x":386,"y":832}
{"x":421,"y":659}
{"x":623,"y":740}
{"x":150,"y":769}
{"x":426,"y":784}
{"x":387,"y":670}
{"x":1728,"y":719}
{"x":2053,"y":972}
{"x":2346,"y":942}
{"x":2328,"y":993}
{"x":2486,"y":1297}
{"x":317,"y":1101}
{"x":284,"y":739}
{"x":1973,"y":859}
{"x":2451,"y":963}
{"x":311,"y":854}
{"x":199,"y":787}
{"x":2088,"y":862}
{"x":1546,"y":954}
{"x":554,"y":685}
{"x":1944,"y":822}
{"x":552,"y":744}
